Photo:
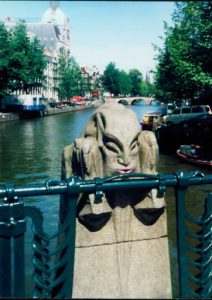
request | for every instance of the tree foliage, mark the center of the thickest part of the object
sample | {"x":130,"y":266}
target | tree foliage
{"x":70,"y":82}
{"x":184,"y":62}
{"x":136,"y":78}
{"x":22,"y":62}
{"x":120,"y":83}
{"x":111,"y":79}
{"x":4,"y":59}
{"x":125,"y":83}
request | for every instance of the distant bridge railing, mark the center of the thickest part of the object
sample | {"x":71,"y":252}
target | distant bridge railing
{"x":56,"y":281}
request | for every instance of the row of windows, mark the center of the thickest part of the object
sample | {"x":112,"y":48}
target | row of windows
{"x":186,"y":110}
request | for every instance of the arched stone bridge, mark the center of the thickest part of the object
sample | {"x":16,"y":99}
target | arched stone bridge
{"x":128,"y":100}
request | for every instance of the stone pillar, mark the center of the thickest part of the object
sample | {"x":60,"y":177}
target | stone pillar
{"x":121,"y":239}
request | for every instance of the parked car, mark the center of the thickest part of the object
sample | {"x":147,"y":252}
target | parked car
{"x":186,"y":113}
{"x":78,"y":100}
{"x":63,"y":104}
{"x":53,"y":104}
{"x":71,"y":103}
{"x":199,"y":129}
{"x":202,"y":121}
{"x":66,"y":103}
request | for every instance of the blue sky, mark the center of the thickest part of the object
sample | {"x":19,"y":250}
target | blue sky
{"x":106,"y":31}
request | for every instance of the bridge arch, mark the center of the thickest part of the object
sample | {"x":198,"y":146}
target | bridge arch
{"x":123,"y":101}
{"x":140,"y":100}
{"x":129,"y":100}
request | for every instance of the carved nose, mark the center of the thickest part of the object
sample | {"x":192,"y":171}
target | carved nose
{"x":123,"y":160}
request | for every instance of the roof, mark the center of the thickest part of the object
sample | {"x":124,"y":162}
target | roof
{"x":46,"y":34}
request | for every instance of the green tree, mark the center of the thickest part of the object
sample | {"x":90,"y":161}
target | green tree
{"x":70,"y":81}
{"x":27,"y":62}
{"x":125,"y":83}
{"x":18,"y":66}
{"x":144,"y":90}
{"x":166,"y":79}
{"x":37,"y":64}
{"x":111,"y":79}
{"x":22,"y":62}
{"x":4,"y":59}
{"x":184,"y":63}
{"x":136,"y":79}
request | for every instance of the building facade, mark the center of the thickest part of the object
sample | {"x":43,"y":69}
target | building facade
{"x":53,"y":31}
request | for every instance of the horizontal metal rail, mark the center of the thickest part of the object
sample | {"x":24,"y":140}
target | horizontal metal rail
{"x":13,"y":211}
{"x":74,"y":185}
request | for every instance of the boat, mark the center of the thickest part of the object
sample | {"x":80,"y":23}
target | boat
{"x":194,"y":154}
{"x":27,"y":105}
{"x":149,"y":120}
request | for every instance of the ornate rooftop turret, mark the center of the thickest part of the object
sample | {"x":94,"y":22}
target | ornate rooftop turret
{"x":54,"y":15}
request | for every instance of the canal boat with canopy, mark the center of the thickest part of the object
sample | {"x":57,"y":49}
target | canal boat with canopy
{"x":194,"y":154}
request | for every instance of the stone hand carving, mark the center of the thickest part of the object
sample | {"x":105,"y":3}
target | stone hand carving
{"x":112,"y":144}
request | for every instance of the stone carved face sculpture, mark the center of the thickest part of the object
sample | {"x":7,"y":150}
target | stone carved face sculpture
{"x":112,"y":144}
{"x":118,"y":142}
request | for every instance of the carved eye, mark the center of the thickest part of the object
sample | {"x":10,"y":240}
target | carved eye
{"x":134,"y":146}
{"x":112,"y":144}
{"x":112,"y":147}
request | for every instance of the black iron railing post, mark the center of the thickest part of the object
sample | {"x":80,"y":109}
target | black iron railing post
{"x":12,"y":256}
{"x":203,"y":239}
{"x":5,"y":253}
{"x":180,"y":190}
{"x":205,"y":273}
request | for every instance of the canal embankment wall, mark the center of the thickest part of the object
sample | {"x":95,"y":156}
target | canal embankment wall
{"x":65,"y":109}
{"x":6,"y":117}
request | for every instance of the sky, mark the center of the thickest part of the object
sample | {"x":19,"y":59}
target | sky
{"x":122,"y":32}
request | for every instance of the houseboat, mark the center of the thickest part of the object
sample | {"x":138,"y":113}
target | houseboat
{"x":26,"y":105}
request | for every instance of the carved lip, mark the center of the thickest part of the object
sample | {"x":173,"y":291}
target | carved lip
{"x":125,"y":170}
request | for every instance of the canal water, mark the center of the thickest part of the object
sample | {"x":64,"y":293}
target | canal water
{"x":30,"y":152}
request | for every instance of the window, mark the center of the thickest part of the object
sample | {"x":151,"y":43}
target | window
{"x":186,"y":110}
{"x":197,"y":109}
{"x":176,"y":111}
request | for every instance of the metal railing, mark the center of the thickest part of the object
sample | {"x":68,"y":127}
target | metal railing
{"x":57,"y":281}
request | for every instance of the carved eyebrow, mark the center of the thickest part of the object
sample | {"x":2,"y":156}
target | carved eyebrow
{"x":135,"y":138}
{"x":111,"y":138}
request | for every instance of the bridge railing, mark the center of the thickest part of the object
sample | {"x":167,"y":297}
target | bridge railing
{"x":56,"y":281}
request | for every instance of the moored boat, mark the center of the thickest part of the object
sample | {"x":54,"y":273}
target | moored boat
{"x":194,"y":154}
{"x":149,"y":120}
{"x":27,"y":105}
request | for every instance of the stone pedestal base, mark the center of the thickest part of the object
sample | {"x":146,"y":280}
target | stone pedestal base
{"x":127,"y":269}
